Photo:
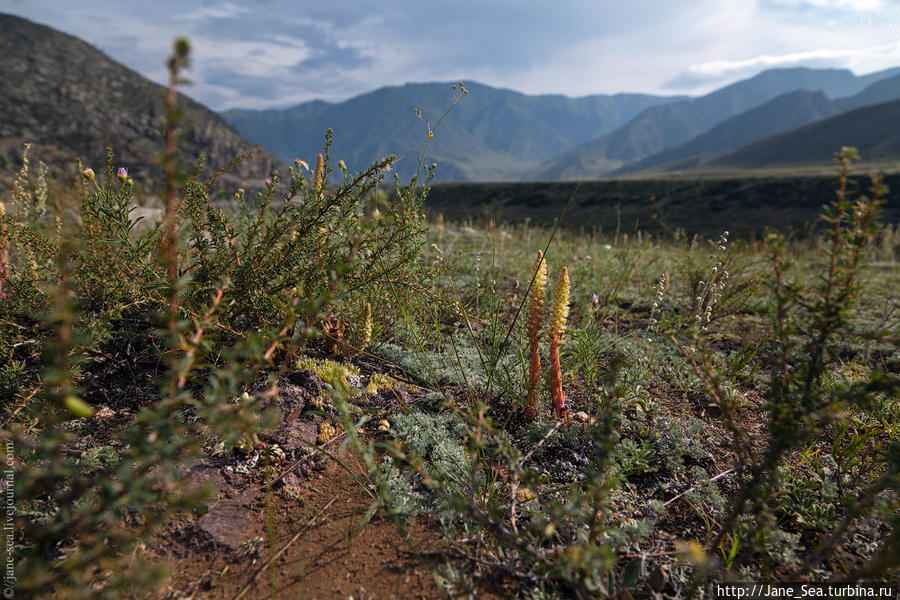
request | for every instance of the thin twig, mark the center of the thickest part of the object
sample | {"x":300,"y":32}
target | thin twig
{"x":283,"y":548}
{"x":694,"y":487}
{"x":515,"y":473}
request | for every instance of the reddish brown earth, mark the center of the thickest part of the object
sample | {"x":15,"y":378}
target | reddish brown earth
{"x":315,"y":556}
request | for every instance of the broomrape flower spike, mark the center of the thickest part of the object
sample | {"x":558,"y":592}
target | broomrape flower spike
{"x":319,"y":180}
{"x":364,"y":337}
{"x":558,"y":316}
{"x":535,"y":318}
{"x":367,"y":328}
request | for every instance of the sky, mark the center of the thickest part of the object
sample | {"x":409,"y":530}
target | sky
{"x":277,"y":53}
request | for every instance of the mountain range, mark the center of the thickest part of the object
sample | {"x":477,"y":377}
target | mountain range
{"x":496,"y":134}
{"x":69,"y":100}
{"x":491,"y":133}
{"x":872,"y":129}
{"x":743,"y":112}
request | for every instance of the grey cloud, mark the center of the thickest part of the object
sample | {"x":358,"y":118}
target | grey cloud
{"x":333,"y":57}
{"x":340,"y":48}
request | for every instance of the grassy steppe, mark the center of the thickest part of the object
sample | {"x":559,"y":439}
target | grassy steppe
{"x":186,"y":405}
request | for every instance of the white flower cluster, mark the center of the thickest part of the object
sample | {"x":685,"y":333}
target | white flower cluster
{"x":709,"y":291}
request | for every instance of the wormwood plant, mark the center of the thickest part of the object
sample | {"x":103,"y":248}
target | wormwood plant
{"x":575,"y":513}
{"x":199,"y":307}
{"x":807,"y":406}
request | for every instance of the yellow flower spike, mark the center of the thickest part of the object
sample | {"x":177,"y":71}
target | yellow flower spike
{"x":560,"y":306}
{"x":319,"y":181}
{"x":367,"y":328}
{"x":558,"y":317}
{"x":535,"y":318}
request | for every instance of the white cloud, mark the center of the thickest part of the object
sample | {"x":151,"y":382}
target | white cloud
{"x":221,"y":11}
{"x":718,"y":68}
{"x":853,"y":5}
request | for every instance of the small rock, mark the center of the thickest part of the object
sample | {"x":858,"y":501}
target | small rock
{"x":227,"y":523}
{"x":306,"y":379}
{"x":391,"y":398}
{"x":295,"y":435}
{"x":293,"y":486}
{"x":104,"y":413}
{"x":293,"y":392}
{"x":291,"y":400}
{"x":583,"y":417}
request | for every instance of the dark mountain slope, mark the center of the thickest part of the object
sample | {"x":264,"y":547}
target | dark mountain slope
{"x":70,"y":100}
{"x":779,"y":114}
{"x":659,"y":128}
{"x":880,"y":91}
{"x":872,"y":129}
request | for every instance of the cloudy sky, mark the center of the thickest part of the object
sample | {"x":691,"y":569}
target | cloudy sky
{"x":274,"y":53}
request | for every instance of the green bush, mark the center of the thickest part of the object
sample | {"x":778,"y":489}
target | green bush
{"x":201,"y":305}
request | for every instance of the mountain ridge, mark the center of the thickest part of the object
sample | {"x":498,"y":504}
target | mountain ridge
{"x":815,"y":143}
{"x":491,"y":132}
{"x":70,"y":100}
{"x":659,"y":128}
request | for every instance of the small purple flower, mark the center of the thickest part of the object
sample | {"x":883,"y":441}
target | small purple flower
{"x":595,"y":298}
{"x":122,"y":173}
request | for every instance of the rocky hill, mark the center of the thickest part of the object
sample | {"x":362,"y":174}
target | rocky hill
{"x":70,"y":100}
